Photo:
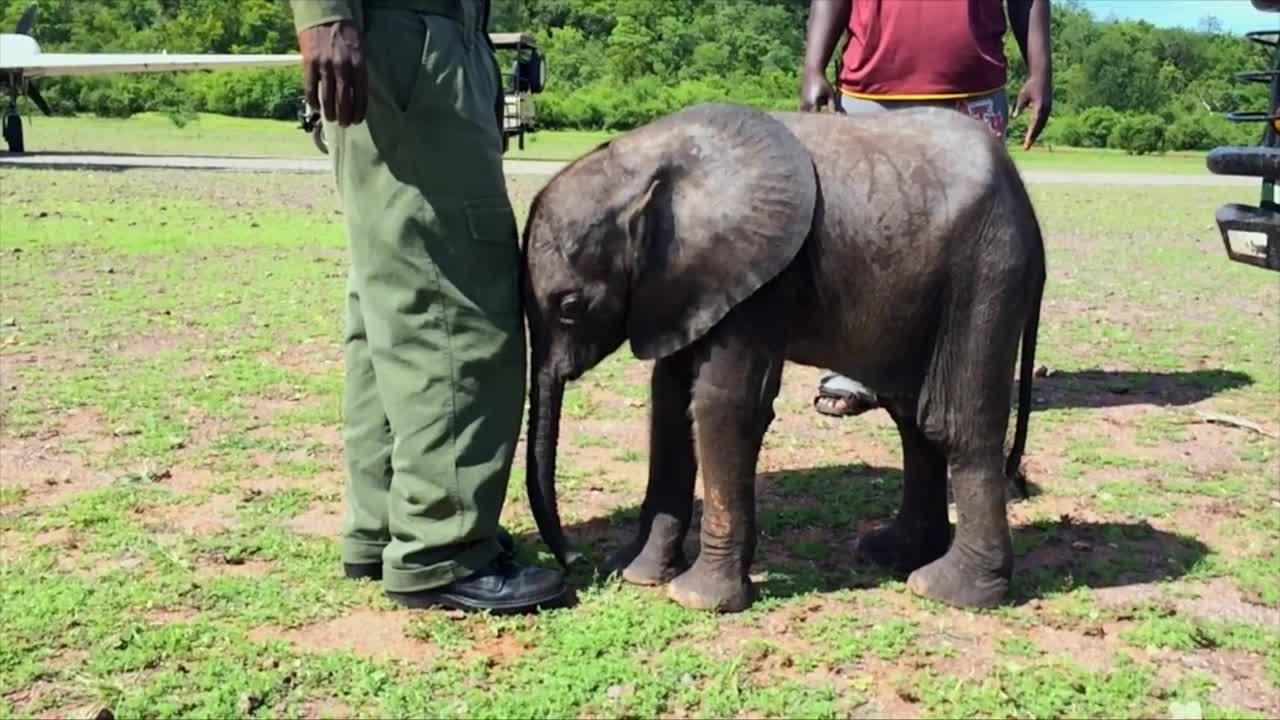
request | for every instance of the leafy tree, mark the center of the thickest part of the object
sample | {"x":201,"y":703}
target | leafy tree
{"x":617,"y":63}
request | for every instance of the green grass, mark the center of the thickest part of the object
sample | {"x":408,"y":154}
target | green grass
{"x":208,"y":134}
{"x":172,"y":397}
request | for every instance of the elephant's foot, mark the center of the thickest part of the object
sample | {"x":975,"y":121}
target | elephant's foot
{"x":903,"y":550}
{"x":959,"y":578}
{"x":701,"y":589}
{"x":640,"y":564}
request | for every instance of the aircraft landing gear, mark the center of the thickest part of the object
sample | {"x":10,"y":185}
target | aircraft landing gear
{"x":13,"y":124}
{"x":310,"y":121}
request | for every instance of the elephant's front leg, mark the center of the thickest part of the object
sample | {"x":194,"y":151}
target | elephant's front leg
{"x":657,"y":553}
{"x":732,"y":408}
{"x":920,"y":532}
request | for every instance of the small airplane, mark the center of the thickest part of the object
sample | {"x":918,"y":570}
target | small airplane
{"x":21,"y":63}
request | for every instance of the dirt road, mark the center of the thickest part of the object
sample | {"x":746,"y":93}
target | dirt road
{"x":120,"y":162}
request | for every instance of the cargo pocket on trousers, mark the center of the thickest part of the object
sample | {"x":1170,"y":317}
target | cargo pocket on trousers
{"x":494,"y":285}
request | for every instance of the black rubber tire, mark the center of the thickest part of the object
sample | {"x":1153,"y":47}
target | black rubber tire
{"x":317,"y":137}
{"x":13,"y":134}
{"x":1259,"y":162}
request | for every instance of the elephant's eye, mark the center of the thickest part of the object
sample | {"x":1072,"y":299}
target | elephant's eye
{"x":571,"y":309}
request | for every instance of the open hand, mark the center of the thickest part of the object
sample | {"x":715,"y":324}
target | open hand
{"x":334,"y":72}
{"x":1037,"y":95}
{"x":816,"y":91}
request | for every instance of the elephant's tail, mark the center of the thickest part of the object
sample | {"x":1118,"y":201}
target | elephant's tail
{"x":1013,"y":466}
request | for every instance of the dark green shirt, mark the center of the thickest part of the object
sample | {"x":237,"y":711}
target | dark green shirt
{"x":307,"y":13}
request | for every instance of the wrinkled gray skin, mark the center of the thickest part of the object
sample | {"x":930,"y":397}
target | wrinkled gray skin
{"x":897,"y":248}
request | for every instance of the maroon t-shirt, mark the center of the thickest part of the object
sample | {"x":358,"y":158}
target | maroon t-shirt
{"x":924,"y":49}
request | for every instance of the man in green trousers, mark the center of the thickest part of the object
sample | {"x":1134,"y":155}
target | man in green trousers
{"x":434,"y":344}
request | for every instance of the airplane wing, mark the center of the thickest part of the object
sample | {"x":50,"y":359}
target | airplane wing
{"x":40,"y":65}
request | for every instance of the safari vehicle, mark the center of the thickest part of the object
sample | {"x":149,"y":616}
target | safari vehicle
{"x":527,"y":77}
{"x":1251,"y":234}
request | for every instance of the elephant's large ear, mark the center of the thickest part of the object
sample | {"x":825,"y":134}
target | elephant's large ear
{"x":721,"y":200}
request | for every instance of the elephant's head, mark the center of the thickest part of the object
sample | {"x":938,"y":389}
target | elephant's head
{"x":652,"y":237}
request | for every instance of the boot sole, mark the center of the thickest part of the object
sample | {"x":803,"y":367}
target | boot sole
{"x":427,"y":600}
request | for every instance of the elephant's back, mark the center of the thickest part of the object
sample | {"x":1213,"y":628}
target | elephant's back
{"x":900,"y":195}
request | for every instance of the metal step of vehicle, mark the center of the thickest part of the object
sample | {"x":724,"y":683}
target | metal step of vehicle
{"x":1251,"y":235}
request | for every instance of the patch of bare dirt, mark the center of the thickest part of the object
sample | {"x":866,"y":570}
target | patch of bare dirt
{"x":146,"y":346}
{"x":60,"y":537}
{"x":1207,"y":448}
{"x":209,"y":518}
{"x":1216,"y":600}
{"x":170,"y":616}
{"x":37,"y":693}
{"x":240,"y":568}
{"x":45,"y":471}
{"x":314,"y":356}
{"x":322,"y":519}
{"x":1239,"y":681}
{"x":325,"y":709}
{"x":372,"y":634}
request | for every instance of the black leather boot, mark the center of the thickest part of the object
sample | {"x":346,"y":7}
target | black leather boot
{"x":373,"y":571}
{"x":502,"y":586}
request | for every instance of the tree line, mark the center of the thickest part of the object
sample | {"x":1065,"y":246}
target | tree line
{"x":614,"y":64}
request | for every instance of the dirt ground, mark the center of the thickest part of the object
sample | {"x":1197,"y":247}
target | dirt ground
{"x":172,"y":466}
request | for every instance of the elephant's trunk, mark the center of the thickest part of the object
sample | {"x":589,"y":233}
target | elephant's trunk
{"x":546,"y":392}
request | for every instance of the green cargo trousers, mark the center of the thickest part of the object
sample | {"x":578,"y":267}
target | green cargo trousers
{"x":434,"y":342}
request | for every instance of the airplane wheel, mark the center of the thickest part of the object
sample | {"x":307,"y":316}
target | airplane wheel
{"x":13,"y":133}
{"x":317,"y":136}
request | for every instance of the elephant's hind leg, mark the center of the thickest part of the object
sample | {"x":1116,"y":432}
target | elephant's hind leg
{"x":656,"y":555}
{"x":965,"y":409}
{"x":920,"y":532}
{"x":976,"y":570}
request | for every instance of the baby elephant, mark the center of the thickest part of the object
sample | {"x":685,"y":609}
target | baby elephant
{"x":900,"y":249}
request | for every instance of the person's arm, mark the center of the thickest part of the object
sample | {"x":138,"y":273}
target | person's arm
{"x":332,"y":59}
{"x":1029,"y":21}
{"x":827,"y":20}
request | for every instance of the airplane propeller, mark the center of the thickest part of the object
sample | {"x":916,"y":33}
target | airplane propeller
{"x":25,"y":25}
{"x":27,"y":20}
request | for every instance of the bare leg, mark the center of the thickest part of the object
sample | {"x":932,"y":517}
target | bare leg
{"x":920,"y":532}
{"x":657,"y":553}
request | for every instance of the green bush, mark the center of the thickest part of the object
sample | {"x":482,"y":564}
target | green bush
{"x":1097,"y":125}
{"x":272,"y":94}
{"x":1138,"y":134}
{"x":1066,"y":130}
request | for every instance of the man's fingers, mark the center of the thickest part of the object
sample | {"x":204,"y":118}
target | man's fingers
{"x":1021,"y":104}
{"x":361,"y":89}
{"x":329,"y":93}
{"x":1036,"y":126}
{"x":342,"y":88}
{"x":311,"y":81}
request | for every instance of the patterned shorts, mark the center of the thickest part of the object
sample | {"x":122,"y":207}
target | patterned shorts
{"x":992,"y":109}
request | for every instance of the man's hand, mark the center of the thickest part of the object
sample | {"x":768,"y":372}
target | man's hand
{"x":334,"y":72}
{"x":1036,"y":95}
{"x":816,"y":91}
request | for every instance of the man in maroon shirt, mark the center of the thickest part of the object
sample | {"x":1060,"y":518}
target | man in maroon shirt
{"x":907,"y":53}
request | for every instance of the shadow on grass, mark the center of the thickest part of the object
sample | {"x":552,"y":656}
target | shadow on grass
{"x":810,"y":519}
{"x":1102,"y":388}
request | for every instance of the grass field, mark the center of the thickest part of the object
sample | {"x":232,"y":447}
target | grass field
{"x":171,"y":464}
{"x":151,"y":133}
